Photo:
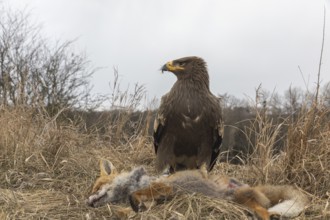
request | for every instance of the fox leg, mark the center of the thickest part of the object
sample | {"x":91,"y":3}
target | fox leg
{"x":155,"y":191}
{"x":255,"y":200}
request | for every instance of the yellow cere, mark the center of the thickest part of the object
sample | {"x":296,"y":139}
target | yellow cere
{"x":170,"y":66}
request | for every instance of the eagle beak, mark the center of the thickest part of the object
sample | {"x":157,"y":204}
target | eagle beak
{"x":164,"y":68}
{"x":170,"y":67}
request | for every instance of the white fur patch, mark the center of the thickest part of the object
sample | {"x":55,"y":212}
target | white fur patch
{"x":288,"y":208}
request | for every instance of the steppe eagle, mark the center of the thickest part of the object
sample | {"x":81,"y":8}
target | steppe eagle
{"x":188,"y":128}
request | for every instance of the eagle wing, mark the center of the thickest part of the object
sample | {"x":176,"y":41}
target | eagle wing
{"x":159,"y":124}
{"x":218,"y":132}
{"x":218,"y":135}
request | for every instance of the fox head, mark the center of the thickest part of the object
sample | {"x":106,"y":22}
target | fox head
{"x":107,"y":174}
{"x":114,"y":187}
{"x":99,"y":195}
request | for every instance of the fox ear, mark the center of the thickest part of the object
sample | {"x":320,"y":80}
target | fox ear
{"x":107,"y":168}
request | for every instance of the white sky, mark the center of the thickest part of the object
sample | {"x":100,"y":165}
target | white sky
{"x":245,"y":43}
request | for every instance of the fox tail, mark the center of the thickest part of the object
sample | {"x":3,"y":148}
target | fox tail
{"x":291,"y":202}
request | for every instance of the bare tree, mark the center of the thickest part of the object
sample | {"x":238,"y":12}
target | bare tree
{"x":34,"y":73}
{"x":293,"y":100}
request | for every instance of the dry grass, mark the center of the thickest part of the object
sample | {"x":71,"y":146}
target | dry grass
{"x":48,"y":167}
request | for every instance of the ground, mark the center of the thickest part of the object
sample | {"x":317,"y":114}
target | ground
{"x":48,"y":168}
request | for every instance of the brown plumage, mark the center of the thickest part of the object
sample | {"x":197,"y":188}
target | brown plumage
{"x":188,"y":128}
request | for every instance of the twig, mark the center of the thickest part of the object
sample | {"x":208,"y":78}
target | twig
{"x":320,"y":64}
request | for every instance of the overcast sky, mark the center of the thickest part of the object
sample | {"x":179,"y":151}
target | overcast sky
{"x":245,"y":43}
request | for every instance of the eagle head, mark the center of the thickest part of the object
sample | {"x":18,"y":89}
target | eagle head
{"x":189,"y":68}
{"x":185,"y":67}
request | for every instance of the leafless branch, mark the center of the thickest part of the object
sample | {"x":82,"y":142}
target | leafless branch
{"x":321,"y":56}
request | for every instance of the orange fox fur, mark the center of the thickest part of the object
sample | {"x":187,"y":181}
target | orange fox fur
{"x":137,"y":187}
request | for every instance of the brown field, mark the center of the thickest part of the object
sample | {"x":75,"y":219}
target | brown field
{"x":48,"y":166}
{"x":50,"y":153}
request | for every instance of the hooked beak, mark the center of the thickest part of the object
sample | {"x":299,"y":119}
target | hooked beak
{"x":169,"y":66}
{"x":164,"y":68}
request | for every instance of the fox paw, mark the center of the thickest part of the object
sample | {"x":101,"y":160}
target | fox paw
{"x":136,"y":205}
{"x":274,"y":216}
{"x":96,"y":200}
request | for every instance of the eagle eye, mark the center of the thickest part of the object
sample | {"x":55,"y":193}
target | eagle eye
{"x":182,"y":63}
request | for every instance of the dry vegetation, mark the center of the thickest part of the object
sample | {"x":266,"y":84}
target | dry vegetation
{"x":50,"y":150}
{"x":48,"y":165}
